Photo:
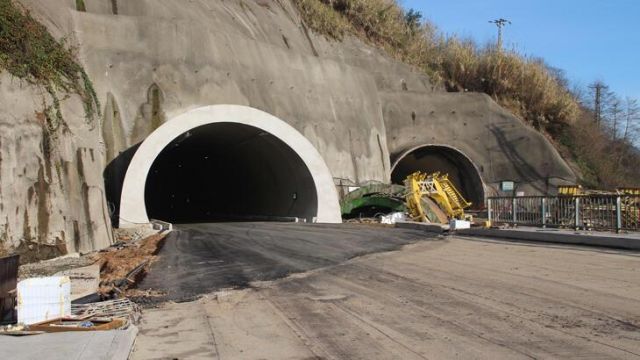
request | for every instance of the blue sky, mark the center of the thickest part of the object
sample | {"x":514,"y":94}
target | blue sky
{"x":589,"y":39}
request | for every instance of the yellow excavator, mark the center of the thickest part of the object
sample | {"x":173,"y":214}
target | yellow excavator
{"x":433,"y":198}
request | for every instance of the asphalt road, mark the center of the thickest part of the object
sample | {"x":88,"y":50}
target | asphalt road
{"x":446,"y":298}
{"x":200,"y":258}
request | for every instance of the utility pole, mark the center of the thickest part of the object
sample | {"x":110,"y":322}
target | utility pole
{"x":599,"y":88}
{"x":500,"y":23}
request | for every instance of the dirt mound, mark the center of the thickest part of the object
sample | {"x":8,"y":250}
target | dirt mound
{"x":128,"y":261}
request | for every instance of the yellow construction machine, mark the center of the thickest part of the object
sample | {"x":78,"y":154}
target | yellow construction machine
{"x":433,"y":198}
{"x":629,"y":201}
{"x":577,"y":190}
{"x":570,"y":190}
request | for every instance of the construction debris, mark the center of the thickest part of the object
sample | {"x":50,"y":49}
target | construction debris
{"x":375,"y":221}
{"x":42,"y":299}
{"x":133,"y":235}
{"x":70,"y":324}
{"x":102,"y":316}
{"x":459,"y":224}
{"x":84,"y":280}
{"x":393,"y":218}
{"x":101,"y":325}
{"x":119,"y":308}
{"x":125,"y":264}
{"x":53,"y":266}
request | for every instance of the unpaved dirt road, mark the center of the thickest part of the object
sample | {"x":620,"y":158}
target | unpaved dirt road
{"x":436,"y":299}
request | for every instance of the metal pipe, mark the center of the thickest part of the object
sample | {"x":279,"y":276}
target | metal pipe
{"x":513,"y":210}
{"x":544,"y":212}
{"x":489,"y":211}
{"x":618,"y":214}
{"x":577,"y":213}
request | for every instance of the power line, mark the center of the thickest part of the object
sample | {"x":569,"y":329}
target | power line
{"x":500,"y":23}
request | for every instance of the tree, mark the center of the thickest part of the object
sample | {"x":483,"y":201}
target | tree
{"x":615,"y":113}
{"x":631,"y":120}
{"x":558,"y":74}
{"x":413,"y":18}
{"x":631,"y":117}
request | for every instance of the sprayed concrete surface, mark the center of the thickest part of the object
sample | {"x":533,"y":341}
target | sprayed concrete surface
{"x":438,"y":298}
{"x":152,"y":61}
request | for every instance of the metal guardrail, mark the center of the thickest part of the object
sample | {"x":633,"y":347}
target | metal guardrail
{"x":596,"y":212}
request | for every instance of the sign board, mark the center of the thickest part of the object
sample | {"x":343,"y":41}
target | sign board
{"x":507,"y":185}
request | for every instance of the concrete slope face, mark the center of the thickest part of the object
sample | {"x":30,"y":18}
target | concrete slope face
{"x":470,"y":137}
{"x":152,"y":61}
{"x":51,"y":186}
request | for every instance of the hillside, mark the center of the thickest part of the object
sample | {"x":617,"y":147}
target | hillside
{"x":285,"y":92}
{"x":527,"y":86}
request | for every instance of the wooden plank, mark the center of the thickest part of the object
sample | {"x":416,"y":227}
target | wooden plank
{"x":64,"y":325}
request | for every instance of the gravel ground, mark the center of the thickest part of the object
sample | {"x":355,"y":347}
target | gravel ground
{"x":434,"y":299}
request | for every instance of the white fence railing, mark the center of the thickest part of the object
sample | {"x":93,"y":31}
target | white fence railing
{"x":597,"y":212}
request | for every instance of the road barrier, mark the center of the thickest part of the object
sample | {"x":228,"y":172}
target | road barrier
{"x":589,"y":212}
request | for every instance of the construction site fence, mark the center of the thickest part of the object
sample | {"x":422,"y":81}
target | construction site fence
{"x":591,"y":212}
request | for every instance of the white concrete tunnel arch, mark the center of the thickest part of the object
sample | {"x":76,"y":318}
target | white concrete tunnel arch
{"x":133,"y":208}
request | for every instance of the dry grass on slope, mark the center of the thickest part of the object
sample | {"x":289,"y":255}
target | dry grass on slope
{"x":526,"y":86}
{"x":523,"y":85}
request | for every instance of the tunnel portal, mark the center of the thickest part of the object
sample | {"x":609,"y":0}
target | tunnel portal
{"x":221,"y":163}
{"x":228,"y":172}
{"x":431,"y":158}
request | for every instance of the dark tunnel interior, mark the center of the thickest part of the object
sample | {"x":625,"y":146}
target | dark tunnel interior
{"x":226,"y":172}
{"x":114,"y":175}
{"x":430,"y":159}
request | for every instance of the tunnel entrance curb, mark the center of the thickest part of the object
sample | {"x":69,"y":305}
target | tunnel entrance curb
{"x":132,"y":201}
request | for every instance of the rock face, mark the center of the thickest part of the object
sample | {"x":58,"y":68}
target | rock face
{"x":52,"y":191}
{"x":152,"y":60}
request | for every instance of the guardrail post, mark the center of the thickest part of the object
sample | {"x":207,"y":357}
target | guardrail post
{"x":618,"y":214}
{"x":577,"y":211}
{"x":544,"y":212}
{"x":513,"y":209}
